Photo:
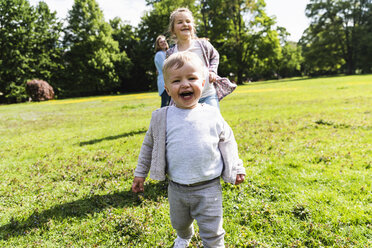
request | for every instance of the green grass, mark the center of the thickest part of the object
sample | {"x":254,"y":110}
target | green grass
{"x":66,"y":168}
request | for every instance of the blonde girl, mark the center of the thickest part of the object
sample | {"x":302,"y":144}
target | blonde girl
{"x":182,"y":29}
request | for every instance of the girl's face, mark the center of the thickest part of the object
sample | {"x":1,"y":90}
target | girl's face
{"x":183,"y":26}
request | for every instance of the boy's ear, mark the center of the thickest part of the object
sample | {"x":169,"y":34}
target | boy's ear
{"x":203,"y":83}
{"x":166,"y":89}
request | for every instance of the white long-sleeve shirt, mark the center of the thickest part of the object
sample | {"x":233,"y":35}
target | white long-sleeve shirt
{"x":192,"y":138}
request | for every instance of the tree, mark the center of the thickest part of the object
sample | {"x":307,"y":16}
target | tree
{"x":332,"y":43}
{"x":15,"y":27}
{"x":291,"y":59}
{"x":244,"y":36}
{"x":290,"y":62}
{"x":28,"y":46}
{"x":129,"y":42}
{"x":47,"y":48}
{"x":240,"y":30}
{"x":92,"y":55}
{"x":364,"y":52}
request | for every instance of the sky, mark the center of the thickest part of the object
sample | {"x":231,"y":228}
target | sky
{"x":289,"y":13}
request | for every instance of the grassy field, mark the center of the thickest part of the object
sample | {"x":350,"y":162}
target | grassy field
{"x":66,"y":167}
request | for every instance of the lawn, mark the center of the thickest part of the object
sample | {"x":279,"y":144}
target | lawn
{"x":66,"y":168}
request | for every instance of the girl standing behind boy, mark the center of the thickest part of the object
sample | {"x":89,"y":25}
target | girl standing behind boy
{"x":182,"y":29}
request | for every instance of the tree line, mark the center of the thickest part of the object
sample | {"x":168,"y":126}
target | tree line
{"x":83,"y":55}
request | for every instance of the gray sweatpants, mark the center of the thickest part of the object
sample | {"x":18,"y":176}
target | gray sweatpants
{"x":202,"y":203}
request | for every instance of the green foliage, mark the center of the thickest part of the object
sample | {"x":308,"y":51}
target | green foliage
{"x":15,"y":29}
{"x":336,"y":40}
{"x":364,"y":51}
{"x":16,"y":93}
{"x":96,"y":57}
{"x":290,"y":63}
{"x":248,"y":49}
{"x":29,"y":46}
{"x":92,"y":55}
{"x":47,"y":50}
{"x":129,"y":42}
{"x":66,"y":167}
{"x":244,"y":36}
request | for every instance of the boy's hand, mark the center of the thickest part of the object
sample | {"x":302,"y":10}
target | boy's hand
{"x":239,"y":179}
{"x":138,"y":184}
{"x":212,"y":77}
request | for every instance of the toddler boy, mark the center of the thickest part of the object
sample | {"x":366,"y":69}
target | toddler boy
{"x":191,"y":145}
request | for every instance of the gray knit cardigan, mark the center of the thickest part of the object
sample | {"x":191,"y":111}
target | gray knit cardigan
{"x":152,"y":156}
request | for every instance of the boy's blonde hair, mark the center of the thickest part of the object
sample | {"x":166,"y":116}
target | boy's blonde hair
{"x":157,"y":47}
{"x":172,"y":19}
{"x":177,"y":60}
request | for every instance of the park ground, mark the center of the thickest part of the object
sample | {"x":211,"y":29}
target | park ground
{"x":66,"y":168}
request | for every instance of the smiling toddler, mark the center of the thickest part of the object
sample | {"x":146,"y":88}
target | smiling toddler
{"x":192,"y":146}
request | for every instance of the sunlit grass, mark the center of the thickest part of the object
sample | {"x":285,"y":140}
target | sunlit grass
{"x":66,"y":168}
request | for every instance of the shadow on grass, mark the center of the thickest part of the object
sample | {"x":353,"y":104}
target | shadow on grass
{"x":94,"y":141}
{"x":82,"y":208}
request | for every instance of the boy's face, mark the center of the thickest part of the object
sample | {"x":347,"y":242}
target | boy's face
{"x":185,"y":85}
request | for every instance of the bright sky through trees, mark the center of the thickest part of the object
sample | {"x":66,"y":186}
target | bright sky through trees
{"x":289,"y":13}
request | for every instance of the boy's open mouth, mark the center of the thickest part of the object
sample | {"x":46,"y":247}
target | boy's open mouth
{"x":186,"y":93}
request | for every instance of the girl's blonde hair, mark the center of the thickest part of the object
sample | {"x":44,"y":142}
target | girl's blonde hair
{"x":172,"y":19}
{"x":157,"y":47}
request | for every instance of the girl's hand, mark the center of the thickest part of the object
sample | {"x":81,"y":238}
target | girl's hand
{"x":212,"y":77}
{"x":138,"y":184}
{"x":239,"y":179}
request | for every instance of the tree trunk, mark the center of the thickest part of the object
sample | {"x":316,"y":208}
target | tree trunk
{"x":239,"y":75}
